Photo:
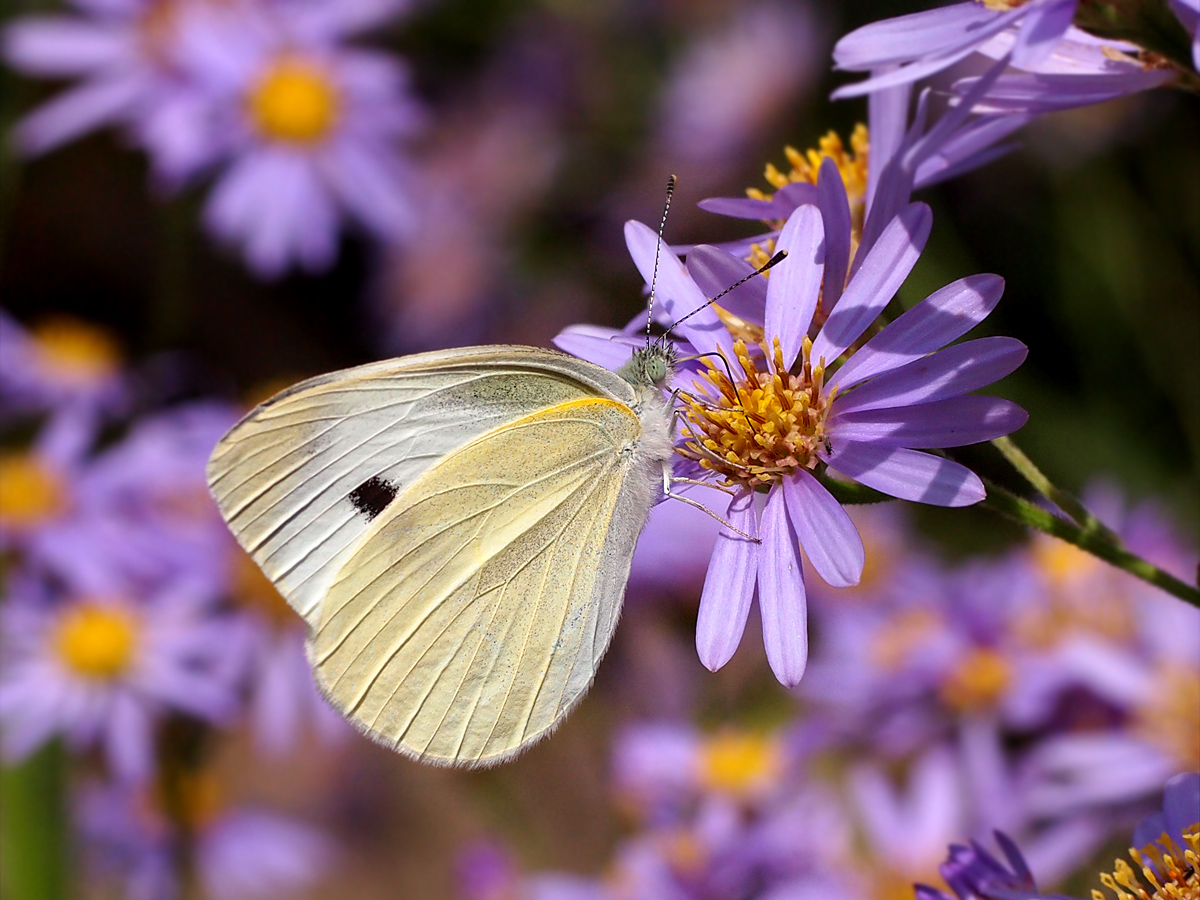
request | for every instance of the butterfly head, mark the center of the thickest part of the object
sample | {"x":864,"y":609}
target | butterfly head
{"x":650,"y":365}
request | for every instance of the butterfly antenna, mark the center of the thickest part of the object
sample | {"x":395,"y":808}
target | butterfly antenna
{"x":770,"y":263}
{"x":657,"y":250}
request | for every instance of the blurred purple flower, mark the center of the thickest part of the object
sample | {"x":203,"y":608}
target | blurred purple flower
{"x":1180,"y":814}
{"x":895,"y":393}
{"x":1188,"y":12}
{"x":120,"y":52}
{"x":239,"y":852}
{"x":102,"y":670}
{"x":59,"y":361}
{"x":307,"y":129}
{"x":907,"y":48}
{"x":485,"y":871}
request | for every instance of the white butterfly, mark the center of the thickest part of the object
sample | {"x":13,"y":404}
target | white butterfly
{"x":457,"y":529}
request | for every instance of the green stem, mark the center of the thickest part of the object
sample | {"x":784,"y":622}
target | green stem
{"x":33,"y":827}
{"x":1023,"y":512}
{"x":1060,"y":498}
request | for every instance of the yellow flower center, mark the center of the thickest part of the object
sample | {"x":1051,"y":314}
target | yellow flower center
{"x":1003,"y":5}
{"x":294,"y":101}
{"x":1173,"y":875}
{"x":30,"y":492}
{"x":740,"y":762}
{"x":1171,"y":720}
{"x":767,"y":425}
{"x":852,"y":165}
{"x":978,"y":680}
{"x":97,"y":641}
{"x":75,"y":351}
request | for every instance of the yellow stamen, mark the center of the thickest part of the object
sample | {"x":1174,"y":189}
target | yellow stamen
{"x":1170,"y":875}
{"x":75,"y":351}
{"x":740,"y":762}
{"x":30,"y":492}
{"x":97,"y":641}
{"x":294,"y":101}
{"x":852,"y":166}
{"x":768,"y":425}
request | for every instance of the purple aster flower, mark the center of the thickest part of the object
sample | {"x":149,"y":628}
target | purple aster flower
{"x":59,"y":361}
{"x":307,"y":129}
{"x":766,"y":430}
{"x":1079,"y":71}
{"x":485,"y":871}
{"x":120,"y":52}
{"x":907,"y":48}
{"x":239,"y":852}
{"x":1188,"y":12}
{"x":102,"y":670}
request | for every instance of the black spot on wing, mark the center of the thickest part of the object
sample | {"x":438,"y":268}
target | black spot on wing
{"x":373,"y":496}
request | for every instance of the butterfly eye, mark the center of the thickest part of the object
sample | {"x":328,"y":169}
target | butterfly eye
{"x":656,"y":369}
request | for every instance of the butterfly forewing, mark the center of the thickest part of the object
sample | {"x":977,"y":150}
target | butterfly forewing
{"x":302,"y":478}
{"x":472,"y":616}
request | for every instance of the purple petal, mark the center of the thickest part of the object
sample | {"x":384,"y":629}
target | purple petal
{"x":1149,"y":830}
{"x":781,"y":596}
{"x":904,"y":38}
{"x":728,"y":587}
{"x":887,"y":114}
{"x":1032,"y":94}
{"x":942,"y":317}
{"x":956,"y":370}
{"x":795,"y":283}
{"x":969,"y":148}
{"x":604,"y":346}
{"x":1181,"y":804}
{"x":943,"y":423}
{"x":741,"y":208}
{"x":77,"y":111}
{"x":876,"y":281}
{"x":679,"y":294}
{"x":835,"y":217}
{"x":907,"y":474}
{"x":58,"y":46}
{"x":1041,"y":30}
{"x":716,"y":271}
{"x":826,"y":532}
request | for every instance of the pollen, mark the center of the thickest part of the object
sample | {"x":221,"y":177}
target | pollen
{"x":740,"y":762}
{"x":97,"y":641}
{"x":768,"y":424}
{"x":852,"y":165}
{"x":294,"y":101}
{"x":30,"y":492}
{"x":74,"y":351}
{"x":1172,"y":873}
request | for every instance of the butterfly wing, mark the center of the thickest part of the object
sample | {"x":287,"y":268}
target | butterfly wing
{"x":472,"y":617}
{"x":301,"y":478}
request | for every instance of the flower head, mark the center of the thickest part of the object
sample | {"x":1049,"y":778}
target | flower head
{"x":102,"y":671}
{"x":814,"y":396}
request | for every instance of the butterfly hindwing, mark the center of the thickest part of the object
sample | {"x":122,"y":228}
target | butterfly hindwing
{"x":472,"y":616}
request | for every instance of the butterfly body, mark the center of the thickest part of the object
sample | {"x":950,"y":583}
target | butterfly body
{"x":457,"y":530}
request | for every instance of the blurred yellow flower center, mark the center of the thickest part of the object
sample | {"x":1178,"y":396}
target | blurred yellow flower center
{"x":97,"y":641}
{"x":978,"y":681}
{"x":75,"y":351}
{"x":1171,"y":719}
{"x":1003,"y":5}
{"x":294,"y":101}
{"x":852,"y":166}
{"x":30,"y":492}
{"x":1170,"y":875}
{"x":1063,"y":563}
{"x":739,"y":762}
{"x":905,"y":633}
{"x":767,"y":425}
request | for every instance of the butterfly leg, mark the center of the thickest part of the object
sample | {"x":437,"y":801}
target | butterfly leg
{"x":669,"y":495}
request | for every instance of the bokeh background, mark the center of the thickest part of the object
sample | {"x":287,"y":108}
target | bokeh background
{"x":545,"y":125}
